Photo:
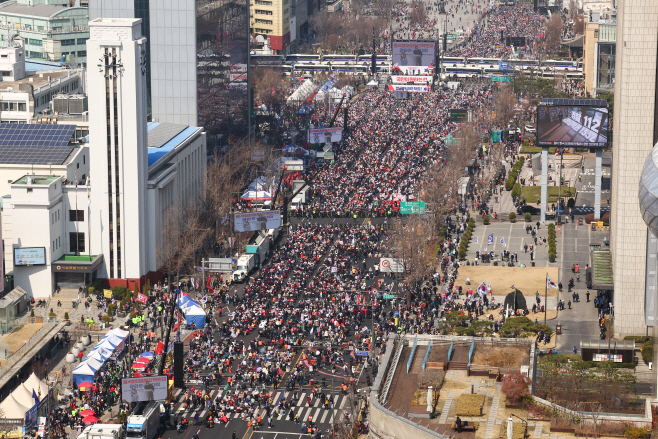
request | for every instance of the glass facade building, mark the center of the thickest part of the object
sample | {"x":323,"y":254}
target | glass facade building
{"x":197,"y":61}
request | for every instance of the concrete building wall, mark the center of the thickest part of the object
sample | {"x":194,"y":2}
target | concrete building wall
{"x":173,"y":63}
{"x":637,"y":37}
{"x":118,"y":154}
{"x":589,"y":55}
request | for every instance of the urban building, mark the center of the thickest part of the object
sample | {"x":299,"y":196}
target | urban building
{"x":635,"y":133}
{"x":599,"y":46}
{"x":26,"y":94}
{"x":271,"y":19}
{"x":50,"y":31}
{"x":97,"y":227}
{"x":196,"y":59}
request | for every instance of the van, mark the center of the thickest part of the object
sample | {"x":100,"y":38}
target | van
{"x":297,"y":203}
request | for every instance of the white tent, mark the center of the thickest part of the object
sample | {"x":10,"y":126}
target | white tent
{"x":94,"y":363}
{"x":34,"y":383}
{"x":259,"y":184}
{"x":119,"y":332}
{"x":13,"y":409}
{"x":102,"y":352}
{"x":23,"y":396}
{"x":303,"y":92}
{"x":113,"y":338}
{"x":252,"y":195}
{"x":107,"y":344}
{"x":196,"y":315}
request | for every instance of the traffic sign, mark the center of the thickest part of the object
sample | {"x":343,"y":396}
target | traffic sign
{"x":362,"y":353}
{"x":388,"y":297}
{"x":375,"y":291}
{"x":411,"y":207}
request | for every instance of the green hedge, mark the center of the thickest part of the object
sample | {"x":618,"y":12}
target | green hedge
{"x":511,"y":178}
{"x":466,"y":237}
{"x":647,"y":351}
{"x":552,"y":249}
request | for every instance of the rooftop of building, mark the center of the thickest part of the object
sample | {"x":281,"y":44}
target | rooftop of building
{"x":44,"y":11}
{"x":35,"y":144}
{"x":37,"y":79}
{"x":37,"y":65}
{"x":78,"y":258}
{"x":44,"y":180}
{"x":166,"y":137}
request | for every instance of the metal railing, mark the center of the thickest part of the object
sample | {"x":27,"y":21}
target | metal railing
{"x":427,"y":354}
{"x":13,"y":359}
{"x":411,"y":355}
{"x":391,"y":372}
{"x":451,"y":350}
{"x":470,"y":352}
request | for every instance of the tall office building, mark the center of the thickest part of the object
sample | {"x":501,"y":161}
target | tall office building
{"x":635,"y":133}
{"x":119,"y":156}
{"x":271,"y":19}
{"x":196,"y":60}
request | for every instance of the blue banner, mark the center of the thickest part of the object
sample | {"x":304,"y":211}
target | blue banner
{"x":31,"y":415}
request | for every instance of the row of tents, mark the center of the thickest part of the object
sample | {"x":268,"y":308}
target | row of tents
{"x":22,"y":403}
{"x":192,"y":311}
{"x":113,"y":342}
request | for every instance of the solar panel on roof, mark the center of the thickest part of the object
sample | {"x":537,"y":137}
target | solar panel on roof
{"x":35,"y":144}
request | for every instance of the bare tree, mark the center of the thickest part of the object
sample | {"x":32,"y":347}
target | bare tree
{"x":418,"y":13}
{"x":554,"y":32}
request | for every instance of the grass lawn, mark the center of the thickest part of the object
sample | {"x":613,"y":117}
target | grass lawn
{"x":536,"y":149}
{"x":532,"y":194}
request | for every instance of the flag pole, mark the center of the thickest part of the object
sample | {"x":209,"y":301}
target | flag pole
{"x":545,"y":298}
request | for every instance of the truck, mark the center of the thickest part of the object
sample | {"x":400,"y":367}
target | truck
{"x":103,"y":431}
{"x":244,"y":266}
{"x":144,"y":421}
{"x":297,"y":203}
{"x":259,"y":247}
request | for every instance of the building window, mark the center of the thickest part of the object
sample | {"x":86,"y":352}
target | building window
{"x":260,"y":21}
{"x":263,"y":3}
{"x":596,"y":33}
{"x":263,"y":12}
{"x":68,"y":42}
{"x":82,"y":41}
{"x":263,"y":31}
{"x":35,"y":42}
{"x":80,"y":216}
{"x":21,"y":106}
{"x":82,"y":53}
{"x":5,"y":73}
{"x":285,"y":11}
{"x":77,"y":241}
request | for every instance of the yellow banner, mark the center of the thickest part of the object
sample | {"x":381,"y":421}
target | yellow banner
{"x":107,"y":293}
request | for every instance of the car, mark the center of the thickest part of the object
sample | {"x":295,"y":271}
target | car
{"x":525,"y":208}
{"x":530,"y":129}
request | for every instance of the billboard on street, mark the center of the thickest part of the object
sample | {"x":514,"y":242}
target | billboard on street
{"x":413,"y":53}
{"x":254,"y":221}
{"x":144,"y":389}
{"x":391,"y":265}
{"x":572,"y":126}
{"x":420,"y":88}
{"x":26,"y":256}
{"x":415,"y":79}
{"x":320,"y":135}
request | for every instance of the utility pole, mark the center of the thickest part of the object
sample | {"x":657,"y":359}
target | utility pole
{"x":374,"y":54}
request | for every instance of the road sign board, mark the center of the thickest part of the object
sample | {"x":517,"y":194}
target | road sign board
{"x":362,"y":353}
{"x":388,"y":297}
{"x":411,"y":207}
{"x":375,"y":291}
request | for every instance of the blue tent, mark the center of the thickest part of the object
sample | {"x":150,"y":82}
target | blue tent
{"x":196,"y":315}
{"x":84,"y":373}
{"x":184,"y":301}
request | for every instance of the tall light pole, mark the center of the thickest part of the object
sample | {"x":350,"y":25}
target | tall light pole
{"x":194,"y":230}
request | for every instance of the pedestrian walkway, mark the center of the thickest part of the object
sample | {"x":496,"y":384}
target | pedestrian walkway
{"x":316,"y":410}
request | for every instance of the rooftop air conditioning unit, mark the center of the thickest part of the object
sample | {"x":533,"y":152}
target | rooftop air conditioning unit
{"x":61,"y":104}
{"x":77,"y":104}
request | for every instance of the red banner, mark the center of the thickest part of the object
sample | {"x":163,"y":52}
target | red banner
{"x":142,"y":298}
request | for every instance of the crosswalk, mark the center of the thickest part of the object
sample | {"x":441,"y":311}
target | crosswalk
{"x":315,"y":410}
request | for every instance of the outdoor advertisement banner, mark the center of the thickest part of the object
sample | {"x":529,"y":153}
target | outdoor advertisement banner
{"x":413,"y":53}
{"x":414,"y":79}
{"x":152,"y":388}
{"x":254,"y":221}
{"x":411,"y":88}
{"x":319,"y":135}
